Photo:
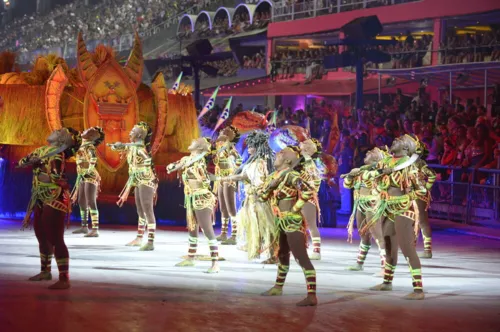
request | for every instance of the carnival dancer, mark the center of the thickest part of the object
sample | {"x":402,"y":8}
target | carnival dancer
{"x":227,"y":160}
{"x":398,"y":183}
{"x":365,"y":204}
{"x":255,"y":218}
{"x":142,"y":177}
{"x":427,"y":176}
{"x":310,"y":150}
{"x":288,"y":194}
{"x":199,"y":201}
{"x":50,"y":204}
{"x":87,"y":182}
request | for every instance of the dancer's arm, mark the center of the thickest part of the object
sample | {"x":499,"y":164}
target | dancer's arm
{"x":176,"y":166}
{"x":305,"y":193}
{"x":118,"y":146}
{"x":236,"y":177}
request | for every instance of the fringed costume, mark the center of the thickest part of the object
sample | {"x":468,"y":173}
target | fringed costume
{"x":366,"y":203}
{"x":288,"y":194}
{"x":398,"y":184}
{"x":87,"y":186}
{"x":200,"y":205}
{"x":227,"y":160}
{"x":50,"y":205}
{"x":255,"y":218}
{"x":141,"y":175}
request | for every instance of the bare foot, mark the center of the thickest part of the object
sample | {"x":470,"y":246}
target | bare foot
{"x":310,"y":301}
{"x":185,"y":263}
{"x":274,"y":291}
{"x":315,"y":256}
{"x":61,"y":284}
{"x":213,"y":269}
{"x":148,"y":247}
{"x":41,"y":276}
{"x":425,"y":254}
{"x":222,"y":237}
{"x":81,"y":230}
{"x":382,"y":287}
{"x":136,"y":243}
{"x":230,"y":242}
{"x":93,"y":233}
{"x":415,"y":296}
{"x":357,"y":267}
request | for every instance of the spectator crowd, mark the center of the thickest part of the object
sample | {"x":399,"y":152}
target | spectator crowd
{"x":108,"y":20}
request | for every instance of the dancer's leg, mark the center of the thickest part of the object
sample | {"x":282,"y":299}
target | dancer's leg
{"x":377,"y":233}
{"x":406,"y":237}
{"x":204,"y":218}
{"x":193,"y":247}
{"x":141,"y":228}
{"x":91,"y":194}
{"x":46,"y":249}
{"x":391,"y":255}
{"x":53,"y":221}
{"x":283,"y":266}
{"x":230,"y":204}
{"x":364,"y":245}
{"x":425,"y":226}
{"x":224,"y":214}
{"x":84,"y":210}
{"x":147,"y":205}
{"x":310,"y":212}
{"x":298,"y":248}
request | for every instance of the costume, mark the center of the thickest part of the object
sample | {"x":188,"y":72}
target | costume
{"x":141,"y":175}
{"x":311,"y":175}
{"x":398,"y":183}
{"x":256,"y":217}
{"x":50,"y":205}
{"x":200,"y":204}
{"x":366,"y":202}
{"x":227,"y":160}
{"x":86,"y":176}
{"x":288,"y":193}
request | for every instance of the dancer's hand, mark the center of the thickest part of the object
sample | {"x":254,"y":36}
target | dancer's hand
{"x":120,"y":202}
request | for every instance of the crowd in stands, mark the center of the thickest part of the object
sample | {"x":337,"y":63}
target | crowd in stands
{"x":221,"y":27}
{"x":471,"y":47}
{"x":108,"y":20}
{"x":225,"y":68}
{"x":256,"y":61}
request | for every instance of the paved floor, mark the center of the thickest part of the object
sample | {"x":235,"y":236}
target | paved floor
{"x":117,"y":288}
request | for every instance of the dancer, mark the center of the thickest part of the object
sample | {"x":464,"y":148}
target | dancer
{"x":289,"y":194}
{"x":255,"y":218}
{"x":310,"y":150}
{"x":50,"y":202}
{"x":143,"y":177}
{"x":398,"y":184}
{"x":365,"y":204}
{"x":227,"y":160}
{"x":427,"y":176}
{"x":199,"y":201}
{"x":88,"y":180}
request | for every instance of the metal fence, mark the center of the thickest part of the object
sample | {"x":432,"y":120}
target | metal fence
{"x":466,"y":194}
{"x":311,"y":8}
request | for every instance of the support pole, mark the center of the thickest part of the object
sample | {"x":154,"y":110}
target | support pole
{"x":379,"y":88}
{"x":451,"y":90}
{"x":485,"y":87}
{"x":359,"y":85}
{"x":196,"y":72}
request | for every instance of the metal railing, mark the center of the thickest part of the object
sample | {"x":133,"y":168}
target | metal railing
{"x":465,"y":201}
{"x":312,"y":8}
